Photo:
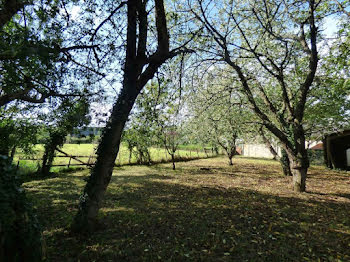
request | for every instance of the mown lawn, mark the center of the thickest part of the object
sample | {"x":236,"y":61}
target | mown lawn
{"x":204,"y":211}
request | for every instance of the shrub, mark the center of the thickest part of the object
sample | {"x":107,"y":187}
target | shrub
{"x":20,"y":232}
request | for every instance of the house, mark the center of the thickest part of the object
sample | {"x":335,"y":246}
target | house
{"x":337,"y":150}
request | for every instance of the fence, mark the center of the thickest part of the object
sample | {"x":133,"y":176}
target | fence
{"x":122,"y":159}
{"x":90,"y":162}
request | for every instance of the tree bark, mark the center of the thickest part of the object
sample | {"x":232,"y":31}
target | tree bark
{"x":299,"y":178}
{"x":173,"y":160}
{"x":48,"y":157}
{"x":299,"y":166}
{"x":230,"y":160}
{"x":285,"y":163}
{"x":275,"y":156}
{"x":106,"y":155}
{"x":13,"y":152}
{"x":284,"y":159}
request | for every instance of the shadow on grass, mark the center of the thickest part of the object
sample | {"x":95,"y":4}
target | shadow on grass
{"x":35,"y":176}
{"x":154,"y":217}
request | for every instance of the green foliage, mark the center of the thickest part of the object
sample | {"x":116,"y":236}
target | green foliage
{"x":138,"y":139}
{"x":71,"y":114}
{"x":20,"y":232}
{"x":29,"y":54}
{"x":221,"y":117}
{"x":328,"y":107}
{"x":16,"y":133}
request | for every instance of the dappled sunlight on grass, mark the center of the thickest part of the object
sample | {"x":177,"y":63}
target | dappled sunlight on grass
{"x":203,"y":211}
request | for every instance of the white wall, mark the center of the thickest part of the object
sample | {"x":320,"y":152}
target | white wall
{"x":348,"y":157}
{"x":257,"y":150}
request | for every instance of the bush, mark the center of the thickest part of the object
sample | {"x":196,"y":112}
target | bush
{"x":20,"y":232}
{"x":316,"y":157}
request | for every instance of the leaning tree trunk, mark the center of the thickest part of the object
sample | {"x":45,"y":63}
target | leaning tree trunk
{"x":135,"y":78}
{"x":106,"y":155}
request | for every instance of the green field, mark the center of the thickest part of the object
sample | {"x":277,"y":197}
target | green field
{"x":87,"y":150}
{"x":203,"y":211}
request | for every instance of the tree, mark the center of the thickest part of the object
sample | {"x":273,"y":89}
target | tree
{"x":16,"y":133}
{"x":130,"y":137}
{"x":70,"y":115}
{"x":170,"y":133}
{"x":139,"y":138}
{"x":9,"y":9}
{"x":35,"y":53}
{"x":220,"y":111}
{"x":271,"y":47}
{"x":139,"y":67}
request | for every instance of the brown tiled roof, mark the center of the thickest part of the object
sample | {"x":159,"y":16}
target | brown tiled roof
{"x":319,"y":146}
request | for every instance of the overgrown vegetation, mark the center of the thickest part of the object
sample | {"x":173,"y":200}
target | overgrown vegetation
{"x":20,"y":231}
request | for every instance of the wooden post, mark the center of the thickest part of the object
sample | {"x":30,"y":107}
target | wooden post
{"x":75,"y":158}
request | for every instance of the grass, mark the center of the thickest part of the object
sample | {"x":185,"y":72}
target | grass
{"x":157,"y":155}
{"x":203,"y":211}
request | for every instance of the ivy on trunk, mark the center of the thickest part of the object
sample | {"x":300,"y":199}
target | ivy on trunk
{"x":139,"y":68}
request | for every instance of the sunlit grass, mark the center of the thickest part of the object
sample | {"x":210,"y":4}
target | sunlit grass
{"x":86,"y":153}
{"x":203,"y":211}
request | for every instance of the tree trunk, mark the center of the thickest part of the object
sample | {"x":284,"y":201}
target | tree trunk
{"x":173,"y":160}
{"x":216,"y":150}
{"x":13,"y":152}
{"x":43,"y":164}
{"x":299,"y":167}
{"x":90,"y":201}
{"x":48,"y":157}
{"x":284,"y":159}
{"x":106,"y":155}
{"x":285,"y":163}
{"x":299,"y":179}
{"x":275,"y":156}
{"x":230,"y":161}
